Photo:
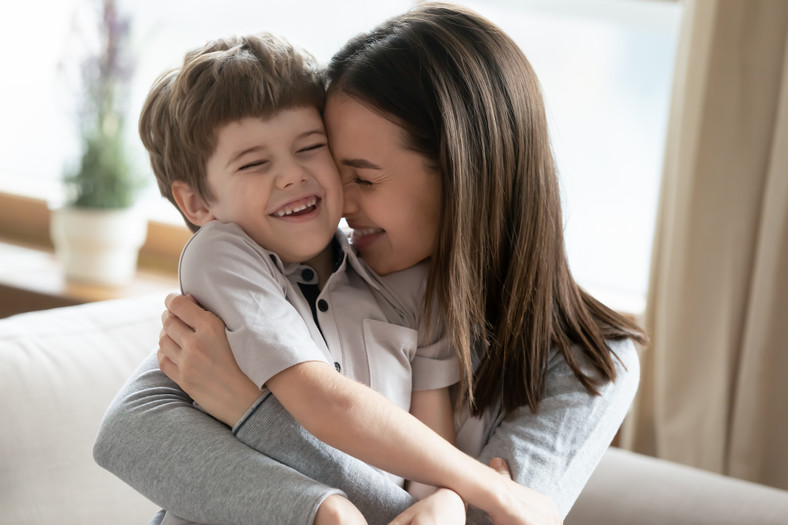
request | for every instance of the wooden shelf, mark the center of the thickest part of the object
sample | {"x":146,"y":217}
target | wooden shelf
{"x":31,"y":279}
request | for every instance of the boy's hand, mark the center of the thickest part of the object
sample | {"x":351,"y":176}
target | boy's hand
{"x":337,"y":510}
{"x":516,"y":504}
{"x":442,"y":507}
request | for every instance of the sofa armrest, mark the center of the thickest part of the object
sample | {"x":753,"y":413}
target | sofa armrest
{"x":59,"y":370}
{"x":629,"y":488}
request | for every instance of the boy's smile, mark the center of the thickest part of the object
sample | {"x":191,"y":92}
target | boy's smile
{"x":276,"y":179}
{"x":298,"y":208}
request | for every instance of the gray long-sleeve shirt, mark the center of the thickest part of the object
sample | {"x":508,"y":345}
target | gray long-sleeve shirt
{"x":154,"y":439}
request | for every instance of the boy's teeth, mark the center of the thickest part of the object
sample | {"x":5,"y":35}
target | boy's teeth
{"x":289,"y":211}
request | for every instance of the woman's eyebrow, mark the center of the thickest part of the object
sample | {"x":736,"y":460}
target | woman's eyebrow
{"x":360,"y":163}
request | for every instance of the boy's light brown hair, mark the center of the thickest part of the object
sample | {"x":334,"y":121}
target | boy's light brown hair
{"x":224,"y":81}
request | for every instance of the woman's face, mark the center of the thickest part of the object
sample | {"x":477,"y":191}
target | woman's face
{"x":392,"y":198}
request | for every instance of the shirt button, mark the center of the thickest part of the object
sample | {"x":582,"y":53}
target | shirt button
{"x":338,"y":366}
{"x":322,"y":305}
{"x":307,"y":275}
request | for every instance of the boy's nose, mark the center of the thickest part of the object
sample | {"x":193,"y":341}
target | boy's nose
{"x":292,"y":175}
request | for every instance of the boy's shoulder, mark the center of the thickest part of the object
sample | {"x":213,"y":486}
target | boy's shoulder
{"x":224,"y":245}
{"x":216,"y":235}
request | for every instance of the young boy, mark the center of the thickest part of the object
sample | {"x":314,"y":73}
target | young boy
{"x":237,"y":143}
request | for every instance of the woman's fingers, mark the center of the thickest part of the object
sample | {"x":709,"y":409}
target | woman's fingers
{"x":167,"y":366}
{"x":168,"y":347}
{"x":501,"y":467}
{"x":185,"y":308}
{"x":175,"y":328}
{"x":194,"y":316}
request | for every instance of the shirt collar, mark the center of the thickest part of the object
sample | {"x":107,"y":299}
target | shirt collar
{"x":350,"y":255}
{"x":342,"y":251}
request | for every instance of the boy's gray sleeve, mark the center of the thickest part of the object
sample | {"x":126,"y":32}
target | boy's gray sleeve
{"x":556,"y":450}
{"x":154,"y":439}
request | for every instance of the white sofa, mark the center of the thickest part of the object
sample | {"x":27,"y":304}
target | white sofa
{"x":60,"y":368}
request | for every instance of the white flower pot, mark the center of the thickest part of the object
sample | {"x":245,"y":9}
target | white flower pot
{"x":98,"y":246}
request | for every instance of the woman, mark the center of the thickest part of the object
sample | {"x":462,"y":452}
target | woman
{"x":445,"y":87}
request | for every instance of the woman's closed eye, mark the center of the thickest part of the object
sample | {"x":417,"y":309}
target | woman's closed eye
{"x":360,"y":181}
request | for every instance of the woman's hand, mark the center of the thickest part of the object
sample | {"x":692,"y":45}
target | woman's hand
{"x":194,"y":352}
{"x":443,"y":506}
{"x":519,"y":504}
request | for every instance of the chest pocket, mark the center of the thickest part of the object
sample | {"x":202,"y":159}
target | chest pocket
{"x":390,"y":350}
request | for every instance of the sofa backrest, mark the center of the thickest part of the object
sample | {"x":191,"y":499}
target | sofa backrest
{"x":59,"y":370}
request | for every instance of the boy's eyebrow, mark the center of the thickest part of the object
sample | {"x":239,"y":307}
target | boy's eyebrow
{"x":360,"y":163}
{"x":313,"y":132}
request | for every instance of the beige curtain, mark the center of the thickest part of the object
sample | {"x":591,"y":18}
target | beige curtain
{"x":714,"y":389}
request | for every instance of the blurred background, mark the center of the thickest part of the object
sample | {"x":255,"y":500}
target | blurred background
{"x":606,"y":68}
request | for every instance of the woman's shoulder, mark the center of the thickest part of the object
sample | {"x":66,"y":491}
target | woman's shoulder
{"x":626,"y":353}
{"x":625,"y":359}
{"x":405,"y":290}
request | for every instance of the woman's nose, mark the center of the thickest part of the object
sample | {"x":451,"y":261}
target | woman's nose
{"x":350,"y":200}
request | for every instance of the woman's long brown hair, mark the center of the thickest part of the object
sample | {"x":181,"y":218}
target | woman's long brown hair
{"x":469,"y":101}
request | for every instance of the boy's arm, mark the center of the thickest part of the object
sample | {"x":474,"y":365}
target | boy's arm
{"x":232,"y":277}
{"x":434,"y":409}
{"x":335,"y":409}
{"x":355,"y":419}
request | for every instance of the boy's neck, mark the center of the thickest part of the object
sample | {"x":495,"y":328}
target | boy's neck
{"x":323,"y":264}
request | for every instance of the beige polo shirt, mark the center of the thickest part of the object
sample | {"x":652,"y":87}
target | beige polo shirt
{"x":370,"y":324}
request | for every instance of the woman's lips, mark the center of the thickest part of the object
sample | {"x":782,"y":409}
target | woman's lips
{"x":363,"y":237}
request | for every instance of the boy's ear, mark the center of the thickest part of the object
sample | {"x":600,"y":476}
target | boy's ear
{"x":191,"y":203}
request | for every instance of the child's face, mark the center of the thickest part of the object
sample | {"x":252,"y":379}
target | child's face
{"x":277,"y":180}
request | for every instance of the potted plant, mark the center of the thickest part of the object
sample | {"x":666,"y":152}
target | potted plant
{"x":98,"y":232}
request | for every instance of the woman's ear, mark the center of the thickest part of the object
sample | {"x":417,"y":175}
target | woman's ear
{"x":191,"y":203}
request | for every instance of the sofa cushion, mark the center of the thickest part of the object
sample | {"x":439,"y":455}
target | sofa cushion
{"x":59,"y":369}
{"x":629,"y":488}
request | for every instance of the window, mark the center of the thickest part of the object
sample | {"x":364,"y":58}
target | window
{"x":605,"y":65}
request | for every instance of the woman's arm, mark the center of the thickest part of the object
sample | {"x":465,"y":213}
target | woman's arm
{"x":182,"y":459}
{"x":556,"y":450}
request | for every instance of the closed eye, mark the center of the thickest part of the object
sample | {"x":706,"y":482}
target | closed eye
{"x":361,"y":182}
{"x":252,"y":165}
{"x":313,"y":147}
